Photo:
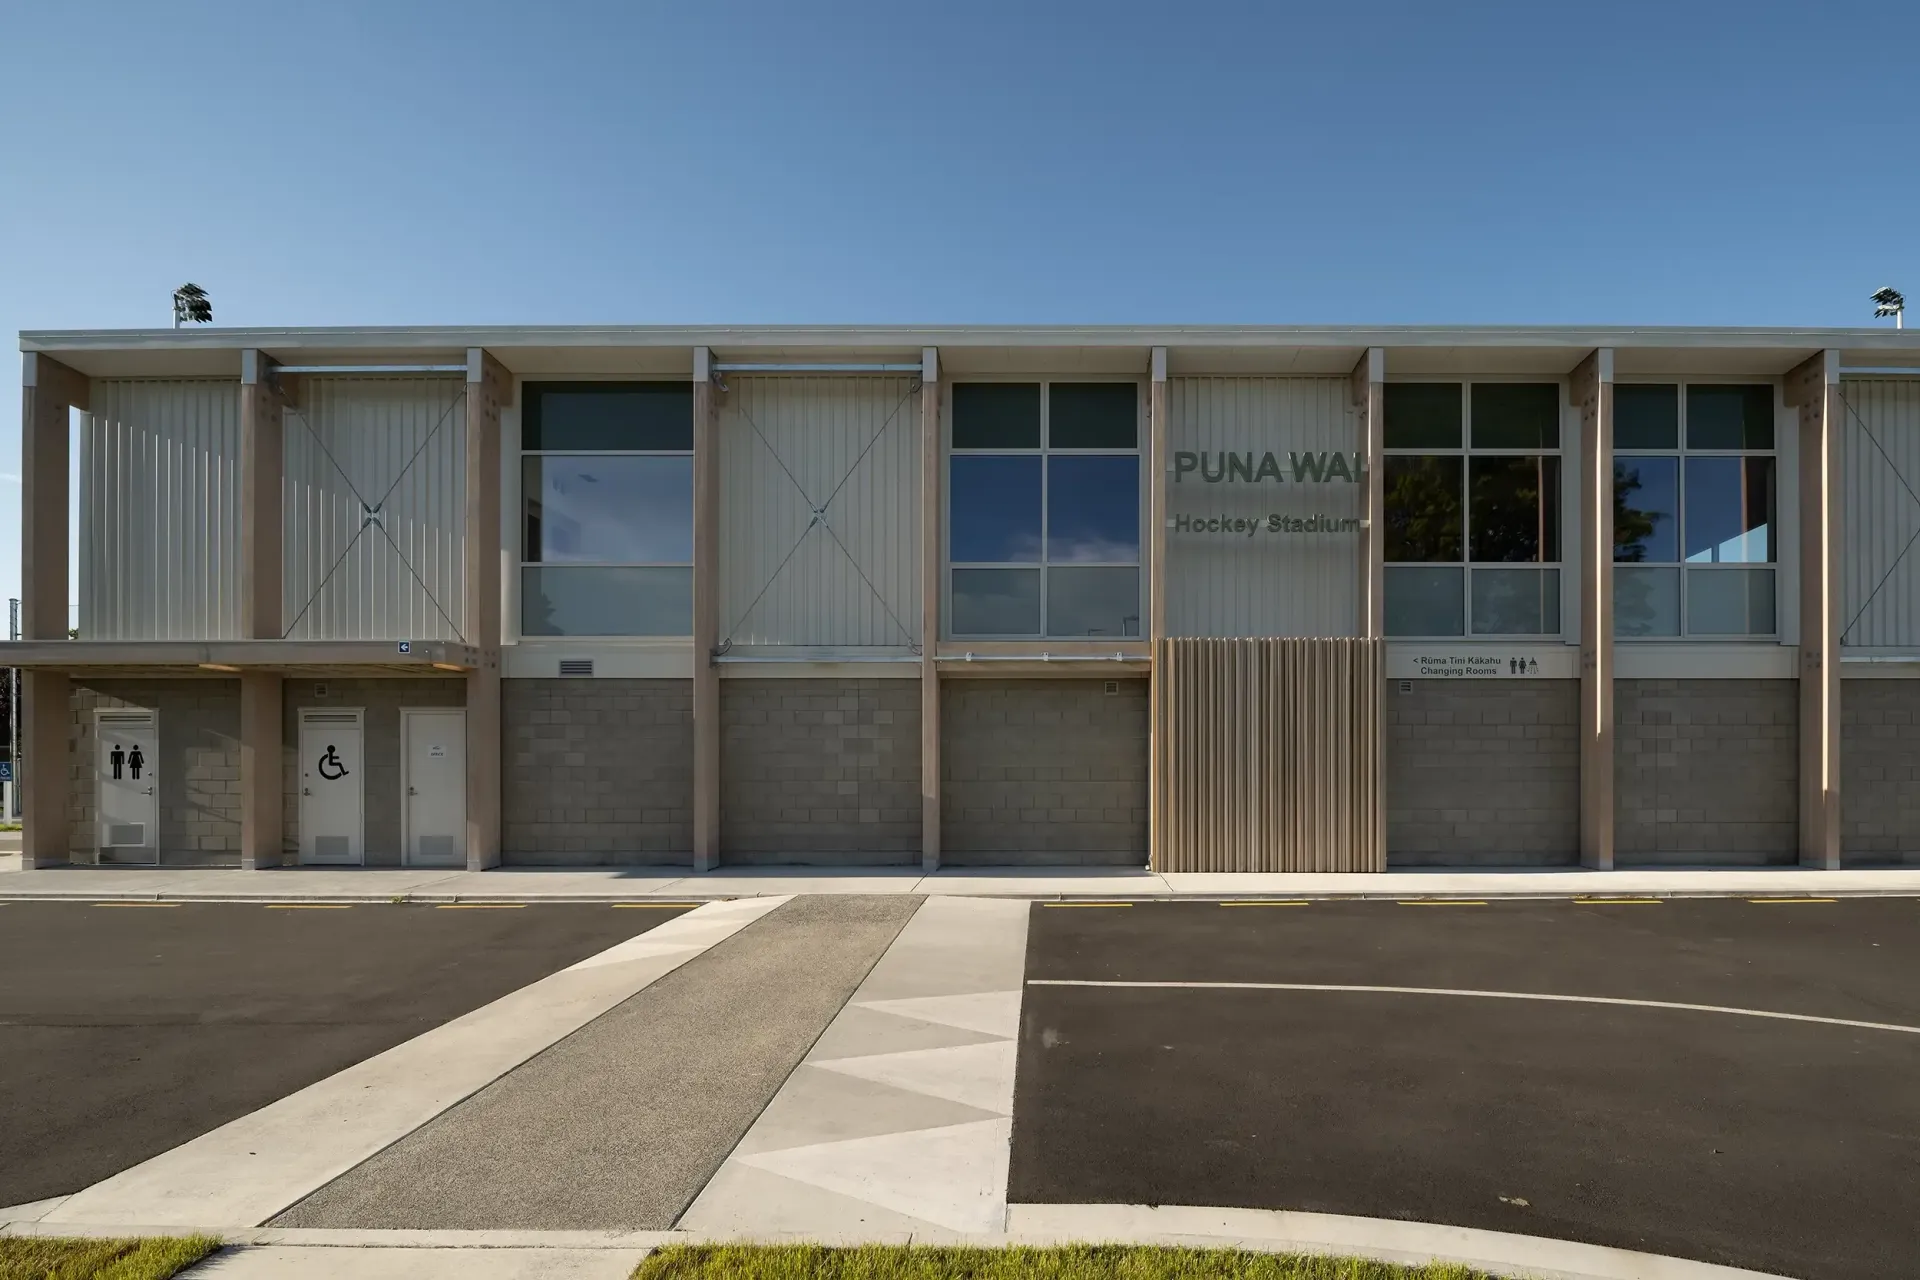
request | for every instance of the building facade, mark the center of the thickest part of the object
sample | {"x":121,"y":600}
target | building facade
{"x":1210,"y":599}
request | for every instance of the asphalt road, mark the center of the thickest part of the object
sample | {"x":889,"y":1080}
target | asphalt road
{"x":1782,"y":1146}
{"x":127,"y":1030}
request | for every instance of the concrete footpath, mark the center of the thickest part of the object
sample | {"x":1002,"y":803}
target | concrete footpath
{"x":614,"y":884}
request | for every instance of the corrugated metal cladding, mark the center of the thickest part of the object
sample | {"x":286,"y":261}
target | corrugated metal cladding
{"x":160,"y":511}
{"x":1273,"y":757}
{"x":848,"y":447}
{"x":1881,"y":559}
{"x":375,"y":508}
{"x":1267,"y":584}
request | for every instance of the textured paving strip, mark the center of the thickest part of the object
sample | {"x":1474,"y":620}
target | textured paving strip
{"x":621,"y":1124}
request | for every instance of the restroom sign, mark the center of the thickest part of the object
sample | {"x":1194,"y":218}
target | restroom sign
{"x":330,"y":766}
{"x":1482,"y":665}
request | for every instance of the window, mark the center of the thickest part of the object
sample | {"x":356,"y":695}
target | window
{"x":1694,"y":510}
{"x":1471,"y":534}
{"x":607,"y":509}
{"x":1043,"y":510}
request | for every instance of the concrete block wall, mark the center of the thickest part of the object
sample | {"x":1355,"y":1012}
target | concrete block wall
{"x":820,"y":770}
{"x":1483,"y":773}
{"x":199,"y":795}
{"x":1043,"y":772}
{"x":597,"y":772}
{"x":1880,"y":771}
{"x":381,"y":699}
{"x":1705,"y":772}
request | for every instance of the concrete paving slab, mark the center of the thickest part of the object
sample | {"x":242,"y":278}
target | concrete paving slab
{"x":310,"y":1262}
{"x":620,"y":1125}
{"x":251,"y":1168}
{"x":889,"y":1126}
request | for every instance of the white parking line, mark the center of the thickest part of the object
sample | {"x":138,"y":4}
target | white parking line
{"x":1483,"y":995}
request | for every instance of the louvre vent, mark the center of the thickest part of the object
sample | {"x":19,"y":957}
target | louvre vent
{"x":329,"y":717}
{"x":581,"y":668}
{"x":438,"y":848}
{"x":126,"y":717}
{"x":332,"y":847}
{"x":131,"y":834}
{"x":1113,"y":687}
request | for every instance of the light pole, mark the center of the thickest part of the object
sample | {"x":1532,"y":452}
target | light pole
{"x":191,"y":304}
{"x":1890,"y":302}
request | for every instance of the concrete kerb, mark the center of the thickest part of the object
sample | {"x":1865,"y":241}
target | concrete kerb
{"x":1507,"y":1254}
{"x":286,"y":886}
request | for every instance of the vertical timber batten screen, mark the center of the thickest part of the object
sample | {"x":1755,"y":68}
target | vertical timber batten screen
{"x":1273,"y":754}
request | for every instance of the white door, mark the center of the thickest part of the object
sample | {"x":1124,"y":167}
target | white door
{"x":435,"y":746}
{"x":332,"y":788}
{"x":128,"y":770}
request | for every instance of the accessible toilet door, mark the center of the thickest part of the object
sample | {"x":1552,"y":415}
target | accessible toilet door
{"x":435,"y":783}
{"x":332,"y":788}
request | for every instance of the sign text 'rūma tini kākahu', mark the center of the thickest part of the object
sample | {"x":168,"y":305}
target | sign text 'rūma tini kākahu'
{"x":1310,"y":467}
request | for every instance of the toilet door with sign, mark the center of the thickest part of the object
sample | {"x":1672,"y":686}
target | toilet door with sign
{"x":128,"y":775}
{"x":435,"y":815}
{"x":332,"y":788}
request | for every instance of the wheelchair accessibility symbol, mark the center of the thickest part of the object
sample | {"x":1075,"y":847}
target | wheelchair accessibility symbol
{"x":330,"y":766}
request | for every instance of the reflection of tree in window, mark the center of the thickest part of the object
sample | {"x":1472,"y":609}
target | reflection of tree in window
{"x":1516,"y":510}
{"x":1422,"y":509}
{"x":1632,"y":527}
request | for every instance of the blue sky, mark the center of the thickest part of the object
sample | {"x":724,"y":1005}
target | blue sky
{"x":573,"y":162}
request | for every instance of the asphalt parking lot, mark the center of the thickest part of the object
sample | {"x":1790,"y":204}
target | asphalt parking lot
{"x":128,"y":1029}
{"x":1786,"y":1145}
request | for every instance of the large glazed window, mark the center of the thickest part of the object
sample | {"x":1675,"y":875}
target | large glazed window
{"x":1695,"y":511}
{"x":1472,"y":519}
{"x":1043,"y":510}
{"x":607,"y":509}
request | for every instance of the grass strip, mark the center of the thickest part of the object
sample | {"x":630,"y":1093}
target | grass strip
{"x":81,"y":1258}
{"x":1067,"y":1262}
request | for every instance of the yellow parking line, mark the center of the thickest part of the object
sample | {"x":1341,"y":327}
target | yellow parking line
{"x":1086,"y":904}
{"x":641,"y":906}
{"x":1442,"y":902}
{"x":308,"y":906}
{"x":1299,"y":903}
{"x":1768,"y":902}
{"x":480,"y":906}
{"x":136,"y":904}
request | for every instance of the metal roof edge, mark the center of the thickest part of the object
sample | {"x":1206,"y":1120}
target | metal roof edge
{"x":415,"y":338}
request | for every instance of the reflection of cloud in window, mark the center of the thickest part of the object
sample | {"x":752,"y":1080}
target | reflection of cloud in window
{"x":1093,"y":549}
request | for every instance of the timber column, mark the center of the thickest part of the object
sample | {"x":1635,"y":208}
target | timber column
{"x":1368,"y":385}
{"x":1156,"y":562}
{"x":48,"y":389}
{"x":1592,"y":391}
{"x":1814,"y":389}
{"x":489,"y":390}
{"x":263,"y":803}
{"x":706,"y":615}
{"x":929,"y":608}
